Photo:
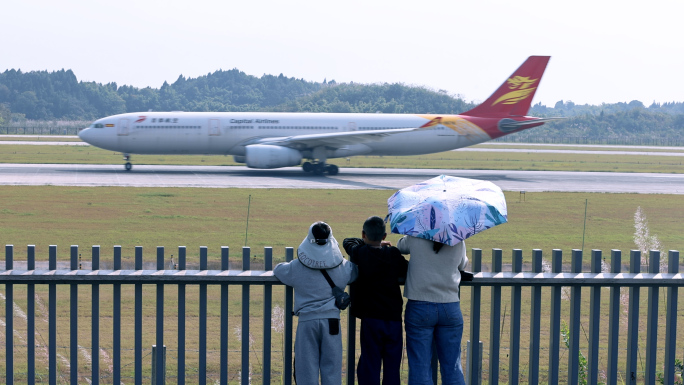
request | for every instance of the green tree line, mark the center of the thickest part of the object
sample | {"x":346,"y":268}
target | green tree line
{"x":618,"y":120}
{"x":43,"y":95}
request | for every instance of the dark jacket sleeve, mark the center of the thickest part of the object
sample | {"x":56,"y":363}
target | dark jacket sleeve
{"x":350,"y":244}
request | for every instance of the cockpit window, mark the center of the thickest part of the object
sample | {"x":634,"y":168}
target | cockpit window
{"x":98,"y":125}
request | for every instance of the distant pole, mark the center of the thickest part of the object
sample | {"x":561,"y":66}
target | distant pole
{"x":247,"y":227}
{"x":585,"y":223}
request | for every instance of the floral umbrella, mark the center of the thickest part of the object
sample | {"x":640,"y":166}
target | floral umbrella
{"x":446,"y":209}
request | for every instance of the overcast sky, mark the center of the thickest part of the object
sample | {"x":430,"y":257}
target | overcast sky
{"x":601,"y":51}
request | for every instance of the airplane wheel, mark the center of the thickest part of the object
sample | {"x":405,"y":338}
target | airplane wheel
{"x":128,"y":166}
{"x":332,"y":169}
{"x":318,"y":169}
{"x":307,"y":167}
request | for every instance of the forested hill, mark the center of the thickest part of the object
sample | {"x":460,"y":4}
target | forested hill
{"x":59,"y":95}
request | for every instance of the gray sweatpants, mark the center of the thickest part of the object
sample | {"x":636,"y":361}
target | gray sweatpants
{"x":316,"y":350}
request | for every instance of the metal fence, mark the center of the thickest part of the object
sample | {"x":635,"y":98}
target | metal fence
{"x":525,"y":137}
{"x":41,"y":130}
{"x":622,"y":355}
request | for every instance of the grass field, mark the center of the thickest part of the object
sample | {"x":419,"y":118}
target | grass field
{"x":444,"y":160}
{"x":171,"y":217}
{"x":150,"y":217}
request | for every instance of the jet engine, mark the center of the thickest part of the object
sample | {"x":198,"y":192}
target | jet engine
{"x":268,"y":156}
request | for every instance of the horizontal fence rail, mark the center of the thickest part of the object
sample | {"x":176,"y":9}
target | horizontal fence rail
{"x":581,"y":140}
{"x":259,"y":277}
{"x":42,"y":130}
{"x":641,"y":363}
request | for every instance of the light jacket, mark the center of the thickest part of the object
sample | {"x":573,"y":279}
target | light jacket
{"x":433,"y":277}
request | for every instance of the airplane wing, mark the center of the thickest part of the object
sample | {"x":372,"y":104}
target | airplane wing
{"x":334,"y":139}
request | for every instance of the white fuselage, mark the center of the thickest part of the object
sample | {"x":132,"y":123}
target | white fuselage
{"x":228,"y":133}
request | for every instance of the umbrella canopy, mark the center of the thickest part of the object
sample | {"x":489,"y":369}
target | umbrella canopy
{"x":447,"y":209}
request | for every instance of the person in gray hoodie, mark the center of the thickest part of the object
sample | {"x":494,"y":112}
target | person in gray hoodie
{"x":318,"y":343}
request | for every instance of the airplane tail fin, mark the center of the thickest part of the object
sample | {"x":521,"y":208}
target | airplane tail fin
{"x":514,"y":97}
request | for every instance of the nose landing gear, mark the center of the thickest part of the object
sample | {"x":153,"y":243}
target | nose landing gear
{"x":128,"y":166}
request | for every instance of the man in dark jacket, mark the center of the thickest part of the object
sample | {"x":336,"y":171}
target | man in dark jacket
{"x":377,"y":301}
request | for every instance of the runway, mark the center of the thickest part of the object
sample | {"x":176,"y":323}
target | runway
{"x":348,"y":178}
{"x":676,"y":151}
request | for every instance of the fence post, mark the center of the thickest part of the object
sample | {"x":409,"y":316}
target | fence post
{"x":245,"y":320}
{"x":95,"y":324}
{"x":31,"y":317}
{"x":671,"y":325}
{"x":477,"y":366}
{"x":495,"y":319}
{"x":535,"y":326}
{"x":9,"y":317}
{"x":225,"y":253}
{"x":633,"y":321}
{"x":116,"y":321}
{"x":351,"y":347}
{"x":203,"y":320}
{"x":52,"y":319}
{"x":575,"y":306}
{"x":138,"y":317}
{"x":514,"y":354}
{"x":614,"y":320}
{"x":594,"y":320}
{"x":652,"y":320}
{"x":289,"y":301}
{"x":158,"y":370}
{"x":160,"y":354}
{"x":73,"y":320}
{"x":268,"y":296}
{"x":181,"y":319}
{"x":555,"y":324}
{"x":474,"y":355}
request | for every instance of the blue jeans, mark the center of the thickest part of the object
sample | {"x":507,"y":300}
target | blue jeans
{"x":442,"y":323}
{"x":381,"y":345}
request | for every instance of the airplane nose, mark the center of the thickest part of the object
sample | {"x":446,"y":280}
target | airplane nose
{"x":84,"y":134}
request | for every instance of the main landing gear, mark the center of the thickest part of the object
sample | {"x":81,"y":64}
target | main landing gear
{"x":128,"y":166}
{"x":319,"y":168}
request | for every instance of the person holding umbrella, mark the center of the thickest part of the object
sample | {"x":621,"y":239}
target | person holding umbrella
{"x":436,"y":216}
{"x":433,"y":311}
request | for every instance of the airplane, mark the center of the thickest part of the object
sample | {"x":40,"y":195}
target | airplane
{"x":267,"y":140}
